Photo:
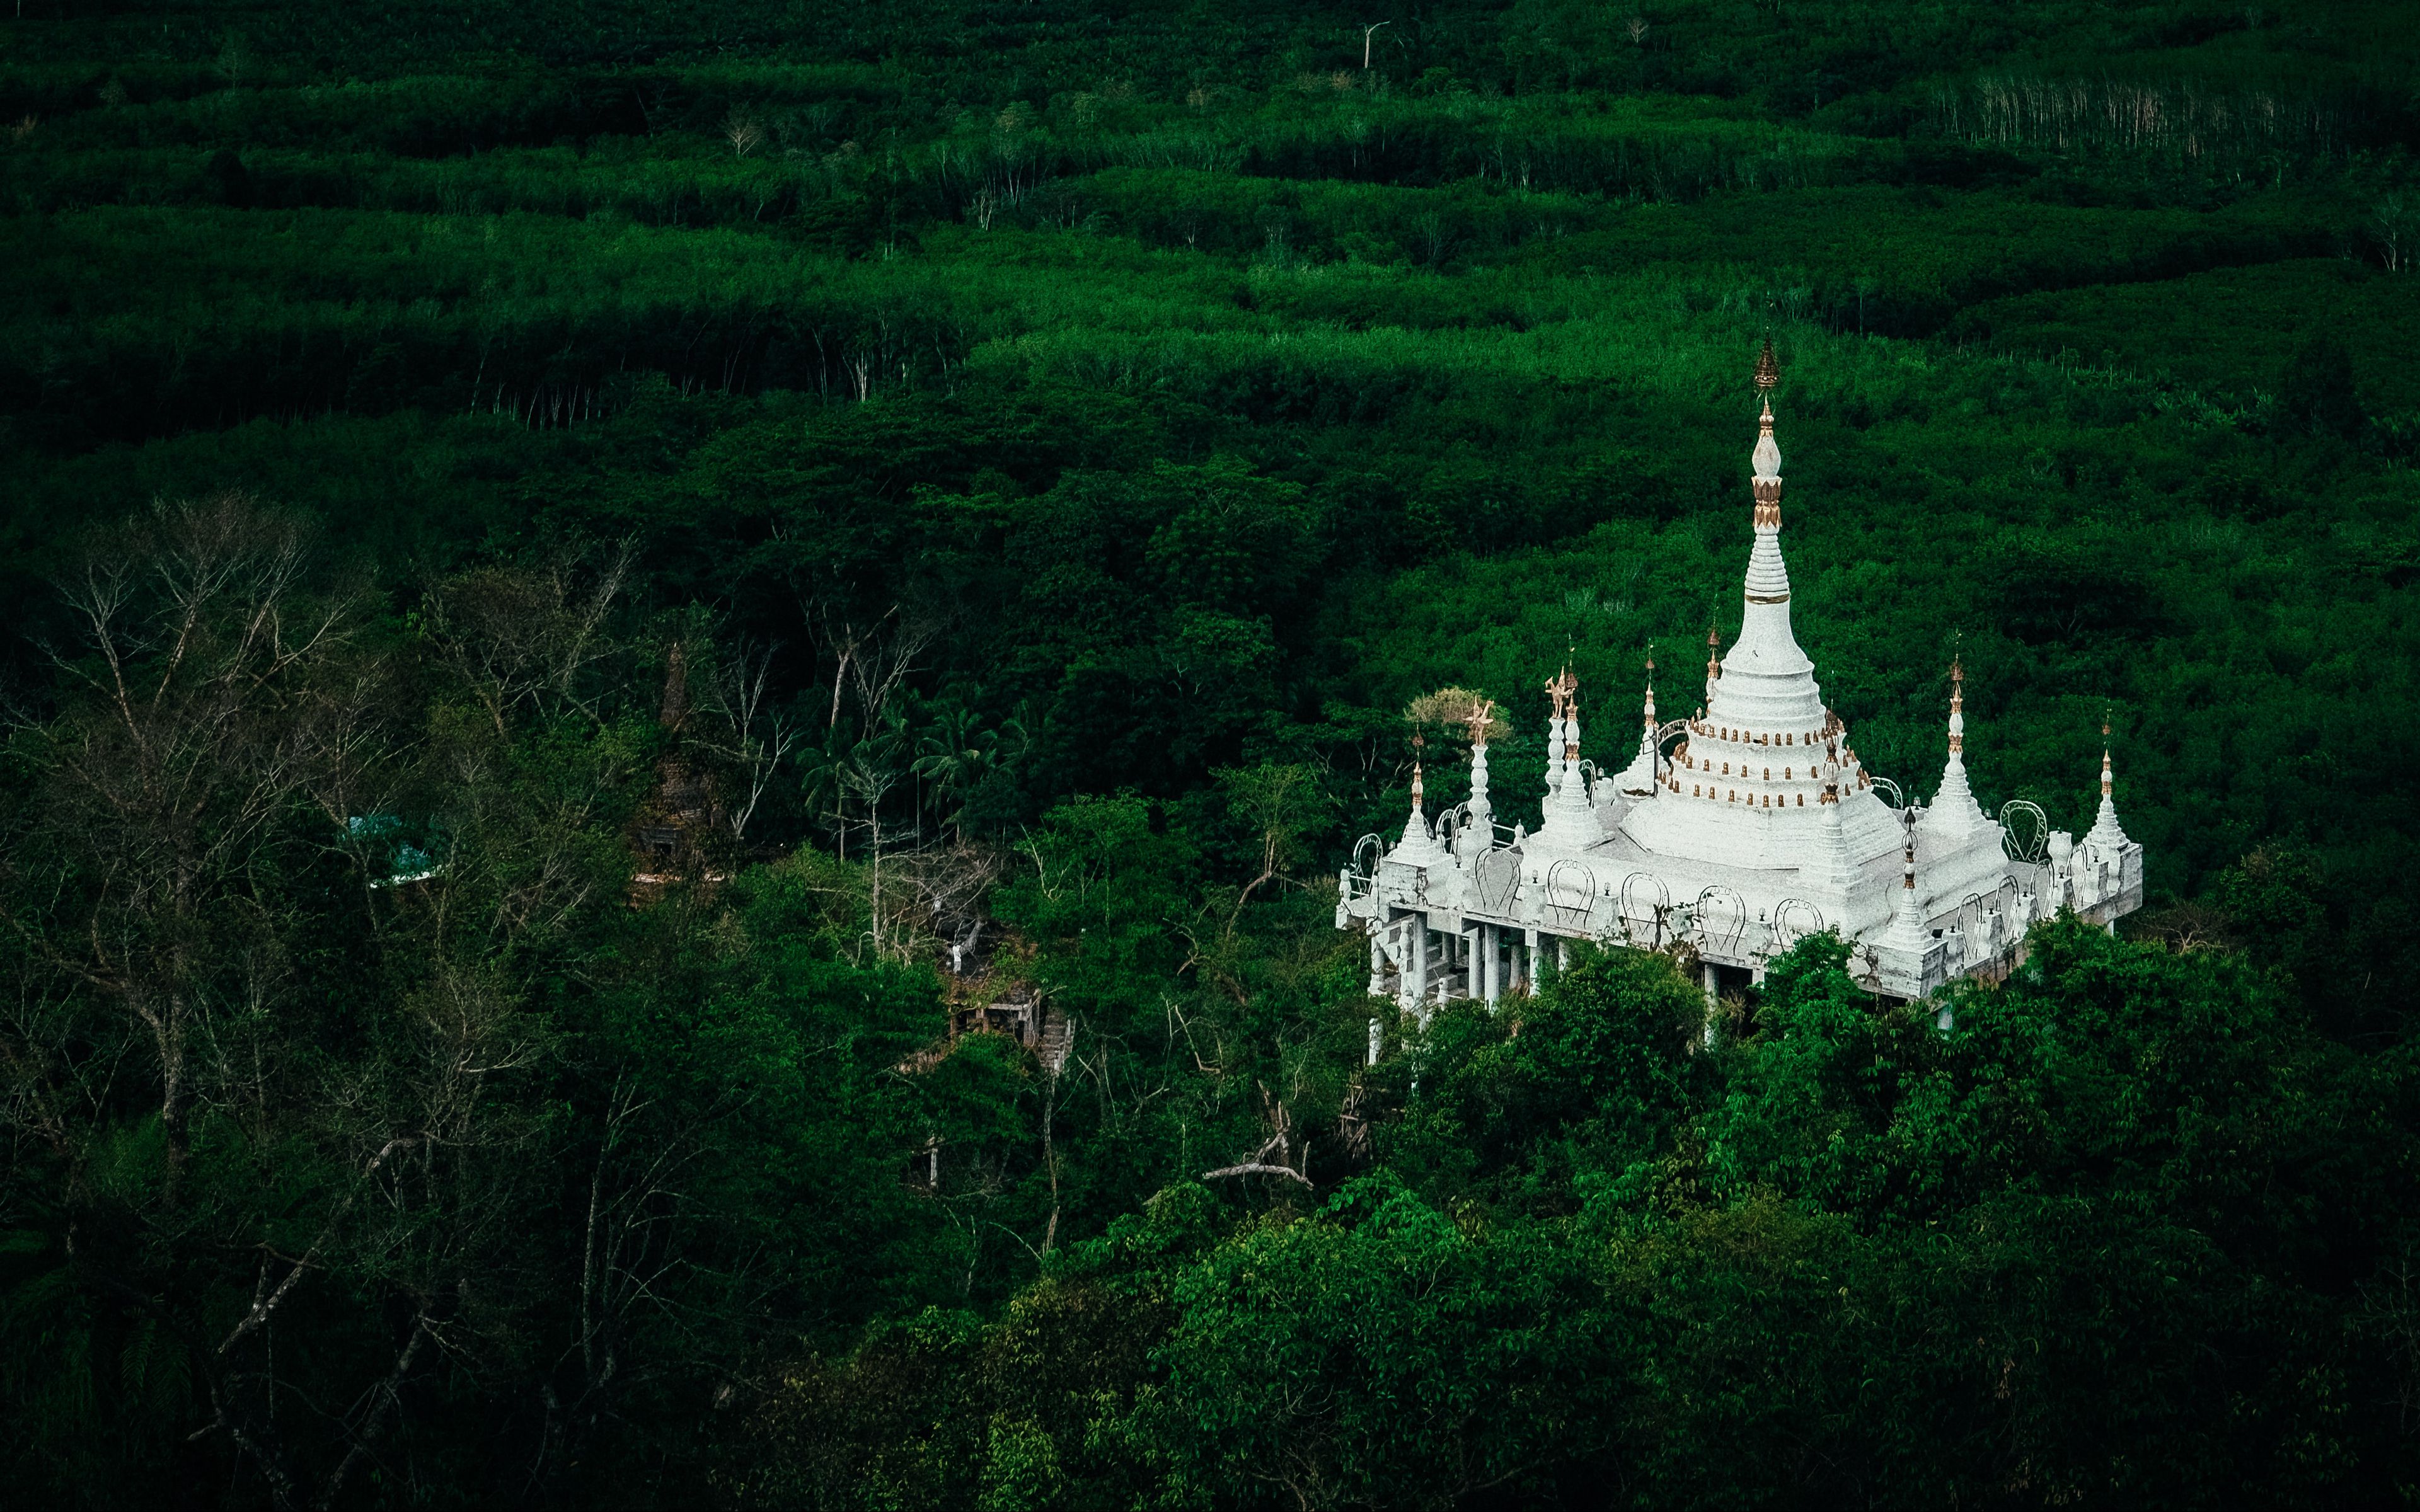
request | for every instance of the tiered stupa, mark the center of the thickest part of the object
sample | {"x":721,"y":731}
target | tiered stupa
{"x":1735,"y":832}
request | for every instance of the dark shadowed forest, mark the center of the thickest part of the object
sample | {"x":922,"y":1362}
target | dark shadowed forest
{"x":592,"y":586}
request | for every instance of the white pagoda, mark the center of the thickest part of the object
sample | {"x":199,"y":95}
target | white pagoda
{"x":1735,"y":833}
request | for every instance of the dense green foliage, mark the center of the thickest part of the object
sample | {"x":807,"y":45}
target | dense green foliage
{"x":588,"y":576}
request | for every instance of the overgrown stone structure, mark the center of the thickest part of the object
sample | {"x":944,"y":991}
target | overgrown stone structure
{"x":1734,"y":832}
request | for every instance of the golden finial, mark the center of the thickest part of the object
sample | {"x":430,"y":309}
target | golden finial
{"x":1480,"y":719}
{"x":1559,"y":690}
{"x":1768,"y":372}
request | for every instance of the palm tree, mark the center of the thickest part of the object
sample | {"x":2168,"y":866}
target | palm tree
{"x":954,"y":756}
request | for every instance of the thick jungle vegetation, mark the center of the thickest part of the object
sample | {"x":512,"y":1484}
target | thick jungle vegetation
{"x":587,"y":581}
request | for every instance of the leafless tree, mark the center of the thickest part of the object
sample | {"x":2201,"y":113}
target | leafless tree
{"x":750,"y":733}
{"x":168,"y":780}
{"x":223,"y":726}
{"x":527,"y":637}
{"x":2394,"y":222}
{"x":744,"y":132}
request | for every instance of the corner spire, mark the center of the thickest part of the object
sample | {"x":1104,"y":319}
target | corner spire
{"x":1906,"y":931}
{"x":2106,"y":832}
{"x":1954,"y":813}
{"x":1832,"y":872}
{"x":1417,"y":847}
{"x":1637,"y":779}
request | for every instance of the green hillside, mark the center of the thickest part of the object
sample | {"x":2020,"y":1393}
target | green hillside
{"x":571,"y":562}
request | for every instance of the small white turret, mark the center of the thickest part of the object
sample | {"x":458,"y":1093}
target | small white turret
{"x":1908,"y":961}
{"x":1637,"y":779}
{"x":1906,"y":931}
{"x":1417,"y":847}
{"x":2106,"y":834}
{"x":1831,"y":872}
{"x":1954,"y":814}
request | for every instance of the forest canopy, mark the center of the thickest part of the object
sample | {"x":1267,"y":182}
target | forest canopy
{"x":688,"y":682}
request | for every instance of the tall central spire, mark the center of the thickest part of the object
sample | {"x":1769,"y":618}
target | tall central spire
{"x":1767,"y":683}
{"x":1768,"y":579}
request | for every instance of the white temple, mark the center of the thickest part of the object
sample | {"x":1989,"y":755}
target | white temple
{"x":1733,"y":833}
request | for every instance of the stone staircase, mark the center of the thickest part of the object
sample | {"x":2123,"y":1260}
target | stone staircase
{"x":1058,"y":1038}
